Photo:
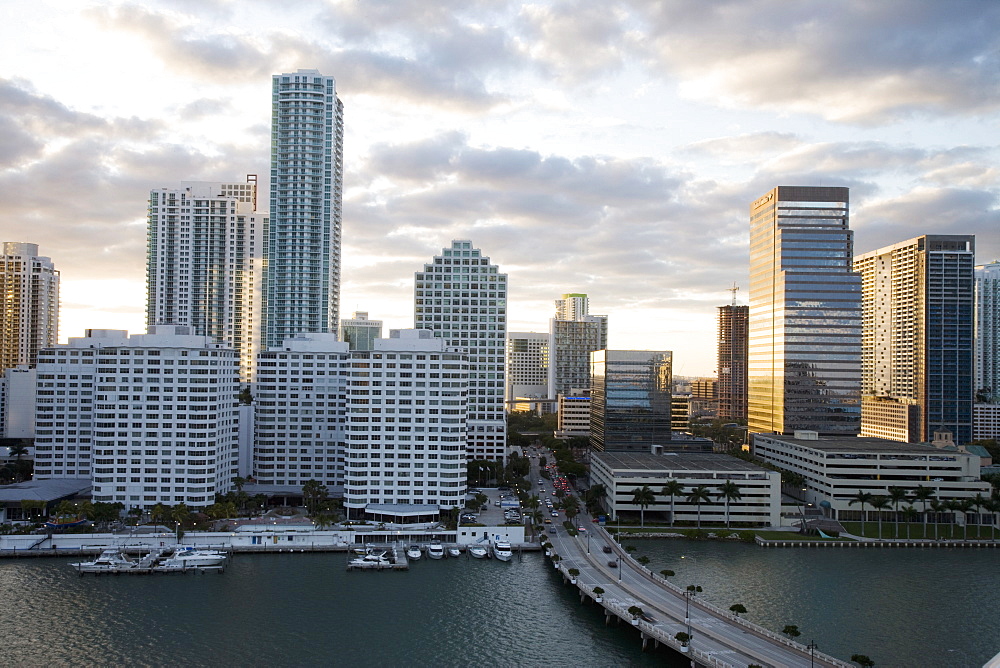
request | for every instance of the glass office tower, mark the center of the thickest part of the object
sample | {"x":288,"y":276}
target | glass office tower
{"x":804,"y":368}
{"x":630,"y":399}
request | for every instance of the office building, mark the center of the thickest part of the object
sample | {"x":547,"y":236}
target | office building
{"x":300,"y":412}
{"x":302,"y":292}
{"x":152,"y":417}
{"x":360,"y":332}
{"x":204,"y":266}
{"x":731,"y":386}
{"x":406,"y":431}
{"x":29,"y":304}
{"x":917,"y":338}
{"x":804,"y":351}
{"x":630,"y":405}
{"x":987,"y":380}
{"x":462,"y":298}
{"x":573,"y":416}
{"x":527,"y":366}
{"x":573,"y":335}
{"x":17,"y":402}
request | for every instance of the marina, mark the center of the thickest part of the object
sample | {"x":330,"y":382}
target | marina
{"x":174,"y":559}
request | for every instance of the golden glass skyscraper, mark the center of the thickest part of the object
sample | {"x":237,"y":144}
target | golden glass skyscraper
{"x":29,"y":304}
{"x":804,"y":352}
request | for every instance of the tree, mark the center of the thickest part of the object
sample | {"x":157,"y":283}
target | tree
{"x":238,"y":483}
{"x":897,"y":495}
{"x":244,"y":397}
{"x":180,"y":513}
{"x":313,"y":491}
{"x":963,"y":506}
{"x":594,"y":498}
{"x":644,"y":498}
{"x":937,"y":507}
{"x":635,"y":611}
{"x":862,"y":660}
{"x":879,"y":503}
{"x":862,"y":498}
{"x":737,"y":609}
{"x":729,"y":491}
{"x":18,"y":450}
{"x":667,"y":573}
{"x":644,"y":560}
{"x":672,"y":489}
{"x":683,"y":638}
{"x":699,"y":495}
{"x":909,"y":514}
{"x":923,"y":495}
{"x":791,"y":630}
{"x":598,"y":592}
{"x":978,"y":502}
{"x":571,"y":506}
{"x":992,"y":506}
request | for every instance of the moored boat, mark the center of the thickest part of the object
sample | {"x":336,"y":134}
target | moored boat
{"x":502,"y":551}
{"x":184,"y":557}
{"x":478,"y":552}
{"x":377,"y":559}
{"x":413,"y":552}
{"x":111,"y":560}
{"x":454,"y":552}
{"x":435,"y":551}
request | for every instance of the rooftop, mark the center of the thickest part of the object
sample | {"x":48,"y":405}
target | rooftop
{"x":857,"y":444}
{"x":674,"y":461}
{"x":44,"y":490}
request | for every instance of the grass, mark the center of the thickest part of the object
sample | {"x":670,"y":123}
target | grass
{"x":916,"y":531}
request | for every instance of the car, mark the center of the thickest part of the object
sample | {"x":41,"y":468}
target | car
{"x":606,"y":549}
{"x":581,"y":528}
{"x":555,"y":514}
{"x":548,"y":521}
{"x":612,"y":564}
{"x":541,"y":482}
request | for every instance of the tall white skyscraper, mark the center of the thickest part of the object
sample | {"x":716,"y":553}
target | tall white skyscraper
{"x":804,"y":352}
{"x":462,"y":298}
{"x":987,"y":384}
{"x":29,"y":304}
{"x":302,"y":291}
{"x":527,"y":365}
{"x":204,"y":266}
{"x":573,"y":335}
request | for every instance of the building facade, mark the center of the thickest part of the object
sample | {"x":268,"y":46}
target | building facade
{"x":204,"y":266}
{"x":462,"y":298}
{"x":917,"y":338}
{"x":17,"y":402}
{"x":29,"y":304}
{"x":987,"y":381}
{"x":359,"y":331}
{"x":630,"y":407}
{"x":407,"y":420}
{"x":573,"y":335}
{"x":527,"y":365}
{"x":573,"y":416}
{"x":804,"y":351}
{"x":731,"y":360}
{"x":302,"y":291}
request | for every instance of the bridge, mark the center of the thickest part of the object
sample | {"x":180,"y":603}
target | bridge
{"x":718,"y":637}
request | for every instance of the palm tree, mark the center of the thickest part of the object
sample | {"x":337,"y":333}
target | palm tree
{"x":571,"y":507}
{"x":595,"y":497}
{"x":992,"y":506}
{"x":963,"y":506}
{"x":862,"y":498}
{"x":699,"y":495}
{"x":909,"y":513}
{"x":729,"y":491}
{"x":643,"y":497}
{"x":924,"y":495}
{"x":978,"y":502}
{"x":896,"y":496}
{"x":937,"y":507}
{"x":672,"y":488}
{"x":879,"y":503}
{"x":18,"y":450}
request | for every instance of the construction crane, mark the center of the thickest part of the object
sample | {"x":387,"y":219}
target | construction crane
{"x":734,"y":289}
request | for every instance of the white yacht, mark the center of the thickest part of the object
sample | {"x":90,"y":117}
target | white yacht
{"x":111,"y":560}
{"x":454,"y":552}
{"x":502,"y":551}
{"x":377,"y":559}
{"x":478,"y":551}
{"x":413,"y":552}
{"x":184,"y":557}
{"x":435,"y":551}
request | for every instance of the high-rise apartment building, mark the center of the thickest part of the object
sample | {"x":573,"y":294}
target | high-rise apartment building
{"x":573,"y":335}
{"x":300,"y":411}
{"x":29,"y":304}
{"x":731,"y":385}
{"x":204,"y":266}
{"x":406,"y":439}
{"x":630,"y":402}
{"x":804,"y":352}
{"x":153,"y":417}
{"x":527,"y":365}
{"x":360,"y":332}
{"x":462,"y":298}
{"x":987,"y":380}
{"x":302,"y":292}
{"x":917,"y":342}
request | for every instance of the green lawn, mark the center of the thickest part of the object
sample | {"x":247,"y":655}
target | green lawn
{"x":916,"y":531}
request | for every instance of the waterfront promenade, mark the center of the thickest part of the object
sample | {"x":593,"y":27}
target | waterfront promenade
{"x":719,"y":638}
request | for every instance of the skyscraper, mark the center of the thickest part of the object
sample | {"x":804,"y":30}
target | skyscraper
{"x":804,"y":368}
{"x":302,"y":291}
{"x":731,"y":386}
{"x":630,"y":403}
{"x":29,"y":304}
{"x":917,"y":340}
{"x":462,"y":298}
{"x":204,"y":263}
{"x":573,"y":335}
{"x":527,"y":365}
{"x":987,"y":383}
{"x":359,"y":332}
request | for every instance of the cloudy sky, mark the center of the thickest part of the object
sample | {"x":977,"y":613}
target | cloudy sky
{"x":609,"y":147}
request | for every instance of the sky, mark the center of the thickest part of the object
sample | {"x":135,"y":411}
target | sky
{"x":611,"y":148}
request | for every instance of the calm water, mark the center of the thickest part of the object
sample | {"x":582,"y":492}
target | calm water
{"x":901,"y":607}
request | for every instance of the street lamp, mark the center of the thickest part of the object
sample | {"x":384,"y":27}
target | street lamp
{"x":812,"y":652}
{"x":619,"y":568}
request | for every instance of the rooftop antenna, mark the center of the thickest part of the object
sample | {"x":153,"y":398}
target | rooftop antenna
{"x":734,"y":289}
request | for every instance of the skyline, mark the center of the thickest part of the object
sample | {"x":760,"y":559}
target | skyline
{"x":583,"y":149}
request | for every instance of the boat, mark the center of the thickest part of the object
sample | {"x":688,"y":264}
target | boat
{"x":454,"y":552}
{"x":413,"y":552}
{"x":502,"y":551}
{"x":377,"y":559}
{"x":111,"y":560}
{"x":478,"y":552}
{"x":435,"y":551}
{"x":184,"y":557}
